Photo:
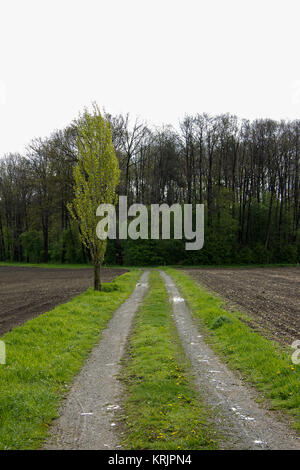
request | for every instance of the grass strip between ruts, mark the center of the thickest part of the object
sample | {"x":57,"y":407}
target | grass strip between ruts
{"x":162,"y":409}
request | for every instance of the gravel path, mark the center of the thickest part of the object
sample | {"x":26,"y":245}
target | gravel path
{"x":243,"y":423}
{"x":87,"y":417}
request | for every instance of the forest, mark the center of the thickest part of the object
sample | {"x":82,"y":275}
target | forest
{"x":246,"y":173}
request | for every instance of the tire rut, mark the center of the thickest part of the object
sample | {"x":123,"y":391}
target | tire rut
{"x":86,"y":419}
{"x":236,"y":415}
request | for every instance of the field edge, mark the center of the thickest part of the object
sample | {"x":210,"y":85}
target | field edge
{"x":262,"y":363}
{"x":45,"y":354}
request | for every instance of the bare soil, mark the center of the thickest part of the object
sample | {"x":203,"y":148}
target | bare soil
{"x":270,"y":295}
{"x":25,"y":292}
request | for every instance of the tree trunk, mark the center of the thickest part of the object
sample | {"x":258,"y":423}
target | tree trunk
{"x":97,"y":276}
{"x":269,"y":220}
{"x":46,"y":241}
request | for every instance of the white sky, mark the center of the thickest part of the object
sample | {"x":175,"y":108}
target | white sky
{"x":156,"y":59}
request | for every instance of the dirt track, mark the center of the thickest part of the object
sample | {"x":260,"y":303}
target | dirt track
{"x":27,"y":292}
{"x":87,"y":420}
{"x":270,"y":295}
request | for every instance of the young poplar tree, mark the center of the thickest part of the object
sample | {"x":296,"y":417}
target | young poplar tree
{"x":96,"y":176}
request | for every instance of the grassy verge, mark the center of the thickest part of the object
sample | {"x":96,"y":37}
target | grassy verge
{"x":66,"y":266}
{"x":233,"y":266}
{"x":262,"y":362}
{"x":204,"y":266}
{"x":44,"y":354}
{"x":45,"y":265}
{"x":162,"y":410}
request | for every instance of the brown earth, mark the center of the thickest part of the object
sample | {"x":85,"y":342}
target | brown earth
{"x":270,"y":295}
{"x":25,"y":292}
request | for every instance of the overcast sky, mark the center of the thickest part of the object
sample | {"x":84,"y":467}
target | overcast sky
{"x":156,"y":59}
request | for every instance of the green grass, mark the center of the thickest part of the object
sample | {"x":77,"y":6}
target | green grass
{"x":162,"y":409}
{"x":262,"y":362}
{"x":45,"y":265}
{"x":232,"y":266}
{"x":65,"y":265}
{"x":44,"y":354}
{"x":204,"y":266}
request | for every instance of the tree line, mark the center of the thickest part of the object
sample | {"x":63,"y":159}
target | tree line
{"x":246,"y":173}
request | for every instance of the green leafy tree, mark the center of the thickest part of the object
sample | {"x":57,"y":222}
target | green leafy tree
{"x":96,"y":176}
